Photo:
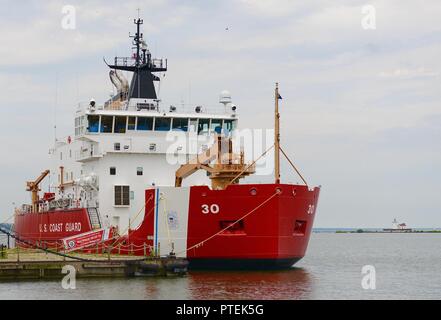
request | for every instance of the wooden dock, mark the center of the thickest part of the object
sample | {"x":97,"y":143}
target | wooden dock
{"x":30,"y":264}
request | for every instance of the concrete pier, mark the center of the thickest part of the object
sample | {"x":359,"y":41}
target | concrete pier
{"x":37,"y":265}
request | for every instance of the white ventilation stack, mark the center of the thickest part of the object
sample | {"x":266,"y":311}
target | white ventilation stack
{"x":116,"y":81}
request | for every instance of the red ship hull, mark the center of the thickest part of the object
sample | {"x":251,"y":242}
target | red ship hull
{"x":46,"y":229}
{"x":242,"y":227}
{"x":275,"y":235}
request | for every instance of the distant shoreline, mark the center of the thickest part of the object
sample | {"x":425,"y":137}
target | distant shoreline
{"x":389,"y":231}
{"x":374,"y":230}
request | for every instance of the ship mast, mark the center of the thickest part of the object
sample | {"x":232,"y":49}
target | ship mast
{"x":277,"y":136}
{"x":142,"y":65}
{"x":137,"y":42}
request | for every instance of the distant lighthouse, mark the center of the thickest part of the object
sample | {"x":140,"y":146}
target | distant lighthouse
{"x":398,"y":227}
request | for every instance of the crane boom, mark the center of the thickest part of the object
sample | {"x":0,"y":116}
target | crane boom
{"x":199,"y":162}
{"x":228,"y":164}
{"x":34,"y":187}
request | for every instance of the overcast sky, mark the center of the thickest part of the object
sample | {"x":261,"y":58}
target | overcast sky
{"x":361,"y":112}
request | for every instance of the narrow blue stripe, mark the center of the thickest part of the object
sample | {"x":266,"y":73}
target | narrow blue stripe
{"x":156,"y":220}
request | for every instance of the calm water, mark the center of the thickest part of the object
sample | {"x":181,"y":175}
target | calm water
{"x":407,"y":267}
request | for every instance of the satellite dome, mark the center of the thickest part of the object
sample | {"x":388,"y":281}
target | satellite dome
{"x":225,"y":97}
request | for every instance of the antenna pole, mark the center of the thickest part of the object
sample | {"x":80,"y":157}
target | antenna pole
{"x":277,"y":137}
{"x":137,"y":40}
{"x":55,"y":108}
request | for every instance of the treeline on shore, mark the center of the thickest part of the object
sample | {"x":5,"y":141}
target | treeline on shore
{"x":387,"y":231}
{"x":6,"y":226}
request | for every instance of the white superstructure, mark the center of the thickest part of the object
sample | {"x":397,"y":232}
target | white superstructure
{"x":116,"y":154}
{"x":120,"y":148}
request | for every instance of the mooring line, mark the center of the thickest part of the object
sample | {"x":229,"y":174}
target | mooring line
{"x":237,"y":221}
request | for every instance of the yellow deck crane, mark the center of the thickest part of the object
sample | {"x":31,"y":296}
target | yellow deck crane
{"x":228,"y":168}
{"x":33,"y":187}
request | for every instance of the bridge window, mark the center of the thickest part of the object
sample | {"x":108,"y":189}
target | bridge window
{"x":162,"y":124}
{"x":216,"y":125}
{"x":80,"y":125}
{"x":132,"y":123}
{"x":106,"y":124}
{"x":193,"y":125}
{"x":120,"y":125}
{"x":145,"y":124}
{"x":122,"y":196}
{"x":229,"y":125}
{"x":203,"y":125}
{"x":94,"y":123}
{"x":180,"y":124}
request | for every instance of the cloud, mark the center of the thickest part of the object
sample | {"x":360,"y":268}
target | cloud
{"x":273,"y":8}
{"x":45,"y":42}
{"x":355,"y":104}
{"x":98,"y":28}
{"x":405,"y":73}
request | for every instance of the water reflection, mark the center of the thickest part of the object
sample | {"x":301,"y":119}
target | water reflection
{"x":151,"y":291}
{"x":330,"y":270}
{"x":295,"y":283}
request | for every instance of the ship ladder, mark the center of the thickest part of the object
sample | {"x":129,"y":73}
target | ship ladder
{"x":94,"y":218}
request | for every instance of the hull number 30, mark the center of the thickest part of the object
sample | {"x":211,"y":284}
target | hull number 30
{"x":213,"y":209}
